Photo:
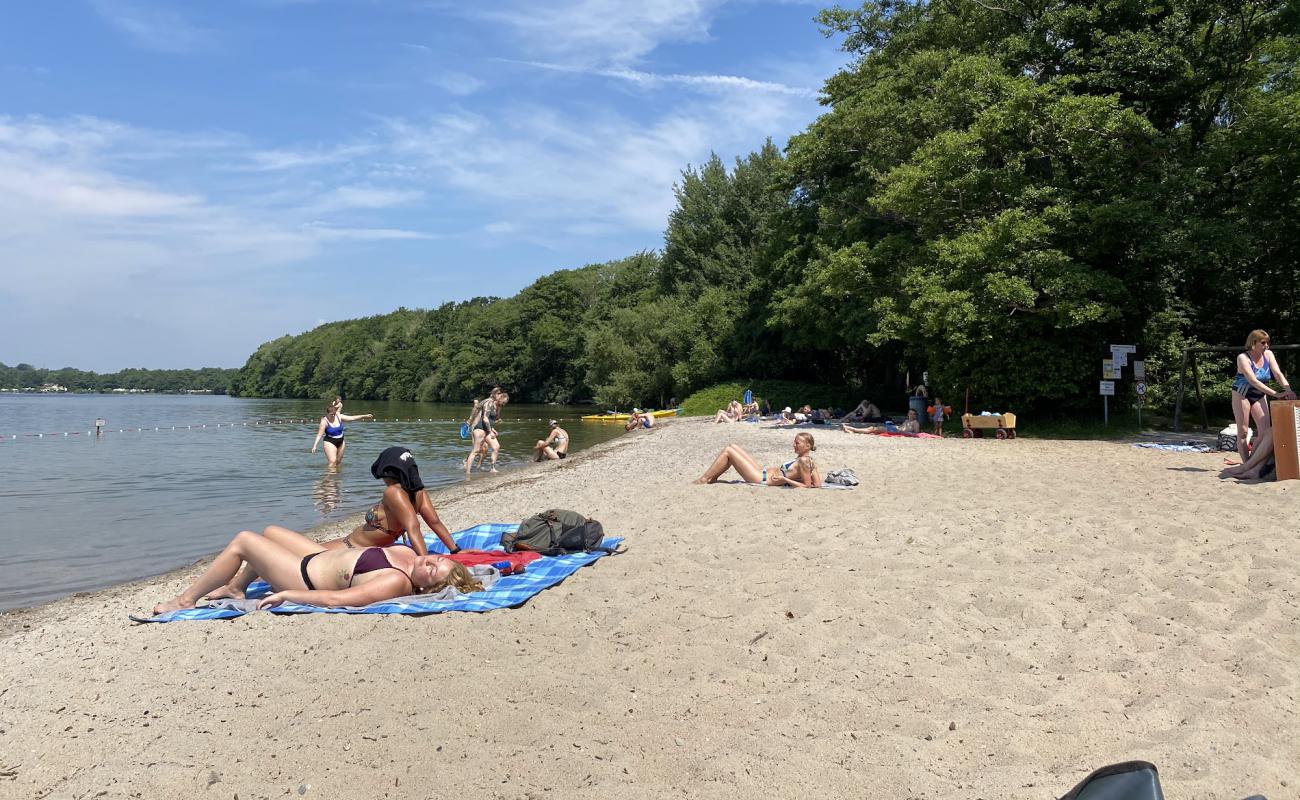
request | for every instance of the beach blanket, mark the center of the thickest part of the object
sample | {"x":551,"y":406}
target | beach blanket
{"x":784,"y":486}
{"x":1185,"y":447}
{"x":893,"y":434}
{"x":499,"y":592}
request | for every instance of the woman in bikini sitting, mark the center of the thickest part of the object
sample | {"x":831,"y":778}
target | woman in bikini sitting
{"x":397,"y":515}
{"x":306,"y":572}
{"x":800,"y":472}
{"x":732,"y":413}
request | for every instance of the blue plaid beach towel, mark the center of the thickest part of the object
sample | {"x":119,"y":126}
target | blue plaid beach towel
{"x":1185,"y":447}
{"x":507,"y":592}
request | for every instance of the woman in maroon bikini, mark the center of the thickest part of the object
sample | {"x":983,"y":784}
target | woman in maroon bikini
{"x":303,"y":571}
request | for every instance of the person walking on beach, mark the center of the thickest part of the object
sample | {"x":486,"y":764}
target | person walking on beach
{"x":800,"y":472}
{"x":554,"y":446}
{"x":1250,"y":392}
{"x":310,"y":573}
{"x":396,"y":515}
{"x":331,"y":430}
{"x":482,"y":425}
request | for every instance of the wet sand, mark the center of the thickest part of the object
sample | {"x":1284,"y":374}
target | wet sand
{"x":979,"y":619}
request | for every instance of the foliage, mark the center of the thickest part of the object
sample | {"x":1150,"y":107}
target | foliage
{"x":996,"y":192}
{"x":710,"y":400}
{"x":210,"y":379}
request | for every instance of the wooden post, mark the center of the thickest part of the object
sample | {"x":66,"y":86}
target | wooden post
{"x":1178,"y":404}
{"x":1286,"y":438}
{"x":1200,"y":398}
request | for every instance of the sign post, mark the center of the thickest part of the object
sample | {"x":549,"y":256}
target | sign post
{"x":1141,"y":388}
{"x":1107,"y":392}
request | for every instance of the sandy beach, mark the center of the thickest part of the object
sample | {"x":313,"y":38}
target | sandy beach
{"x":978,"y":619}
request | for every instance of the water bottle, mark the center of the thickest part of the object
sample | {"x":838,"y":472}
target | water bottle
{"x":504,"y":567}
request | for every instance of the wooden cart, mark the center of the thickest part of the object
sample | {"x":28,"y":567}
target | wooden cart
{"x":1003,"y":425}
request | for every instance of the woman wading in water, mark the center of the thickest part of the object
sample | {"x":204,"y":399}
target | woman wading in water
{"x":331,"y":431}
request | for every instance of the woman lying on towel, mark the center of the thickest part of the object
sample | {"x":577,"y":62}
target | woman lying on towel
{"x":911,"y":426}
{"x":800,"y":472}
{"x":303,"y":571}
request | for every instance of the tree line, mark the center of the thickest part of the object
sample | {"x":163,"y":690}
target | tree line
{"x":995,"y":193}
{"x":212,"y":379}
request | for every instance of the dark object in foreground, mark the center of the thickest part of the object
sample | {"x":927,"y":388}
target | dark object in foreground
{"x":1130,"y":780}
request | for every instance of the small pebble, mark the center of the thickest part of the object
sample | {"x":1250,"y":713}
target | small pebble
{"x":952,"y":726}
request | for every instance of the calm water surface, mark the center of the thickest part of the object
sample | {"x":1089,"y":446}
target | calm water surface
{"x":79,"y":512}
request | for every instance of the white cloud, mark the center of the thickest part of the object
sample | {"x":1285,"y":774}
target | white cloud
{"x":557,"y":171}
{"x":349,"y":197}
{"x":155,"y":27}
{"x":602,"y":32}
{"x":655,"y":80}
{"x":461,"y":84}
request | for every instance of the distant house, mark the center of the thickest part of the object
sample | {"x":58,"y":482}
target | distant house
{"x":51,"y":388}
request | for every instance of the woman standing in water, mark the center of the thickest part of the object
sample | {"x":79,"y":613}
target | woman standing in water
{"x":482,"y":424}
{"x":331,"y":430}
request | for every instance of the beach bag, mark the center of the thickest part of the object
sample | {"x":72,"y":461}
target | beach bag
{"x":841,"y":477}
{"x":1228,"y":438}
{"x":556,"y":532}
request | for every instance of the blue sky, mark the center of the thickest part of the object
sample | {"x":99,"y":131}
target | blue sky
{"x":182,"y":181}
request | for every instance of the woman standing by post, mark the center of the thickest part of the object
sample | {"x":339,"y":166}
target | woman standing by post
{"x":1255,"y":368}
{"x":331,"y":430}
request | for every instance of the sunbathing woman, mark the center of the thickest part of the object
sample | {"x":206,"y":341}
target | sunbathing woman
{"x":395,"y":516}
{"x":303,"y":571}
{"x":800,"y":472}
{"x":911,"y":427}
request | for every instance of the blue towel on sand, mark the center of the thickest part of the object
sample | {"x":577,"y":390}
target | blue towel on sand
{"x":509,"y":591}
{"x":1186,"y":447}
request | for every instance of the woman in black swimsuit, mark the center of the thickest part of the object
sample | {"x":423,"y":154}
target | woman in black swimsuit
{"x":303,"y":571}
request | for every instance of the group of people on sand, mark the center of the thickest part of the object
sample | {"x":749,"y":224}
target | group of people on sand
{"x":1256,"y":368}
{"x":366,"y":566}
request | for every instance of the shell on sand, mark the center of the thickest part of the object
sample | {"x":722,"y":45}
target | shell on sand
{"x":977,"y":619}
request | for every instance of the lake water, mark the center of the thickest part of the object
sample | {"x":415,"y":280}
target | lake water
{"x":79,"y":512}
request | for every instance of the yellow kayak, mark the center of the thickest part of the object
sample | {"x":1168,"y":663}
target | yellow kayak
{"x":670,"y":412}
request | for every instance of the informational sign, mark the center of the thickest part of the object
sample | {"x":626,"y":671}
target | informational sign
{"x":1108,"y":388}
{"x":1121,"y":360}
{"x":1108,"y":369}
{"x":1139,"y":370}
{"x":1123,"y":348}
{"x":1140,"y":387}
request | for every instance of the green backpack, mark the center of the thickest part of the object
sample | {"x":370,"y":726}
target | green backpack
{"x":556,"y":532}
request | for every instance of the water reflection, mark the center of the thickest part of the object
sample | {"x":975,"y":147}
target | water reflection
{"x":328,"y":490}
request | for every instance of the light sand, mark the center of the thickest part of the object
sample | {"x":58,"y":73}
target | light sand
{"x":978,"y":620}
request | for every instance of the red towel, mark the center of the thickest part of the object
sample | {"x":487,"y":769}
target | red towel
{"x":474,"y":558}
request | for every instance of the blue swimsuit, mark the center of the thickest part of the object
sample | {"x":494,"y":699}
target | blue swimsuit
{"x":1263,"y":374}
{"x":334,"y":433}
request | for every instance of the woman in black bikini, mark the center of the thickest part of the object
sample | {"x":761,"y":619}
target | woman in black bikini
{"x":397,"y":515}
{"x":482,"y":424}
{"x":303,"y":571}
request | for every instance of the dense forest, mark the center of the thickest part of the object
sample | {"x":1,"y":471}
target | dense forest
{"x":995,"y":193}
{"x":25,"y":376}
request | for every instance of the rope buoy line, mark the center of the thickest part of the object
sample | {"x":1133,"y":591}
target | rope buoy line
{"x":105,"y":431}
